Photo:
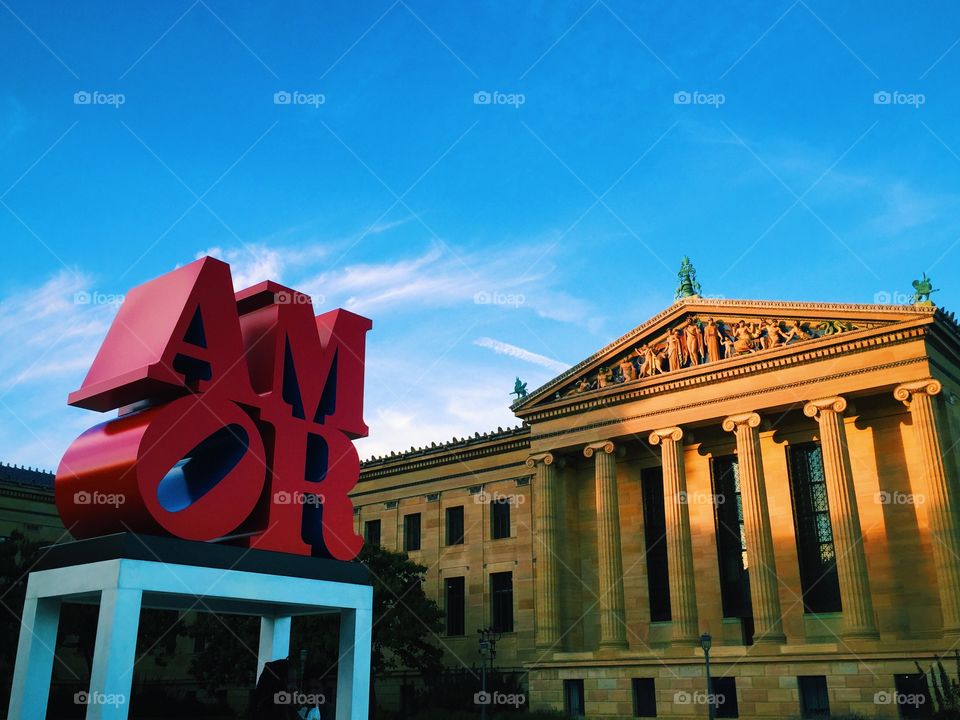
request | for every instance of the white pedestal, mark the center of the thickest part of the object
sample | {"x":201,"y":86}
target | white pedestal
{"x":125,"y":585}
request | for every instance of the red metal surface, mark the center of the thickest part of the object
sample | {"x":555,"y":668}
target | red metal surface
{"x":250,"y":406}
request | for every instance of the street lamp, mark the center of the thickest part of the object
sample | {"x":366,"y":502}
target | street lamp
{"x":488,"y":652}
{"x":705,"y":642}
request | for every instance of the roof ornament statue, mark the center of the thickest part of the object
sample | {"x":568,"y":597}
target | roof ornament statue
{"x":688,"y":287}
{"x":923,"y":289}
{"x":519,"y":389}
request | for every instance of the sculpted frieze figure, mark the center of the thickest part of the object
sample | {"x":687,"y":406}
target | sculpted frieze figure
{"x":694,"y":342}
{"x":712,"y":336}
{"x":697,"y":341}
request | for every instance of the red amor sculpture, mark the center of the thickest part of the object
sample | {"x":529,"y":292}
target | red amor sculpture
{"x":237,"y":416}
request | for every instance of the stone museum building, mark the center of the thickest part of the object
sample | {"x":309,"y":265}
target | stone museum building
{"x":779,"y":475}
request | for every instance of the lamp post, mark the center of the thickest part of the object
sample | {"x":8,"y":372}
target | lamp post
{"x":705,"y":642}
{"x":488,"y":653}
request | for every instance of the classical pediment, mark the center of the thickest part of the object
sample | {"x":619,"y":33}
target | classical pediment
{"x":705,"y":334}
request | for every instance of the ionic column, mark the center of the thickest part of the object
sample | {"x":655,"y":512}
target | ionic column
{"x":613,"y":630}
{"x":764,"y":591}
{"x":851,"y":560}
{"x":547,"y":586}
{"x":683,"y":597}
{"x":940,"y":500}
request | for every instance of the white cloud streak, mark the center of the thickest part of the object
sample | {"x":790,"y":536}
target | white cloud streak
{"x":502,"y":348}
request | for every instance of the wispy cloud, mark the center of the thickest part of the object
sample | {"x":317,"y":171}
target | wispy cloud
{"x":502,"y":348}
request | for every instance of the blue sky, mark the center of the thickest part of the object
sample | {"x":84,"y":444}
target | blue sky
{"x":387,"y":185}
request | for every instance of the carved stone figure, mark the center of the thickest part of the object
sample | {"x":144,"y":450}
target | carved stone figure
{"x":774,"y":334}
{"x":675,"y":349}
{"x":583,"y":384}
{"x":744,"y":338}
{"x":651,"y":361}
{"x":627,"y":369}
{"x":711,"y":340}
{"x":694,"y":342}
{"x":795,"y":332}
{"x":604,"y":378}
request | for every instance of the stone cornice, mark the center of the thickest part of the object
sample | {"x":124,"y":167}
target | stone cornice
{"x":758,"y":393}
{"x":25,"y":492}
{"x":769,"y":361}
{"x":524,"y":472}
{"x":513,"y":439}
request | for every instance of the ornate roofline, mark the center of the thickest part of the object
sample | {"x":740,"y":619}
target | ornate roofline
{"x":451,"y":451}
{"x":28,"y":476}
{"x":698,"y":304}
{"x":800,"y":354}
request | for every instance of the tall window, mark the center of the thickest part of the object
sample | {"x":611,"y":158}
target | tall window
{"x":500,"y":518}
{"x":455,"y":605}
{"x":455,"y":525}
{"x":573,"y":698}
{"x":501,"y":601}
{"x":814,"y":698}
{"x":411,"y":532}
{"x":725,"y":695}
{"x":811,"y":512}
{"x":655,"y":534}
{"x":644,"y":697}
{"x":371,"y":532}
{"x":731,"y":539}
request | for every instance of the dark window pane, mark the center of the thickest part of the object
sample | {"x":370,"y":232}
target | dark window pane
{"x":811,"y":513}
{"x":456,"y":605}
{"x":501,"y":601}
{"x":371,"y":532}
{"x":573,"y":701}
{"x":814,"y":700}
{"x":455,"y":525}
{"x":731,"y":538}
{"x":725,"y":694}
{"x":411,"y":532}
{"x":655,"y":535}
{"x":500,"y":518}
{"x":644,"y":697}
{"x":912,"y":696}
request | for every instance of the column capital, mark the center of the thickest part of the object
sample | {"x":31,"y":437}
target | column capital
{"x":606,"y":446}
{"x":670,"y":433}
{"x":545,"y":458}
{"x":750,"y":419}
{"x":836,"y":403}
{"x":928,"y":386}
